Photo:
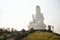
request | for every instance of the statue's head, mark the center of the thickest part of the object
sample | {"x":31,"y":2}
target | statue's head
{"x":37,"y":8}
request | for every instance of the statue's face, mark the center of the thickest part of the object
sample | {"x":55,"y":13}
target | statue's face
{"x":37,"y":9}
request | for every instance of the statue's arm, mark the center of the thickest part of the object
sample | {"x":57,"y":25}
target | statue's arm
{"x":33,"y":17}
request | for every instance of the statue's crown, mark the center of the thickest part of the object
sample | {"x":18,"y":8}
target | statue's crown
{"x":37,"y":6}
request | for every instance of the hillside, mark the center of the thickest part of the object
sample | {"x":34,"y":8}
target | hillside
{"x":40,"y":35}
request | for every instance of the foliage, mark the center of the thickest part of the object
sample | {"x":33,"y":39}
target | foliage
{"x":29,"y":35}
{"x":49,"y":27}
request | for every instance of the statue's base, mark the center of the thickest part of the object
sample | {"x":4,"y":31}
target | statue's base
{"x":40,"y":26}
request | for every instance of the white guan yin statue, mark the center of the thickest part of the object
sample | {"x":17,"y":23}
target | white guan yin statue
{"x":37,"y":23}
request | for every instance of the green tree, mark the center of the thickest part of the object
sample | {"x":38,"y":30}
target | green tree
{"x":49,"y":28}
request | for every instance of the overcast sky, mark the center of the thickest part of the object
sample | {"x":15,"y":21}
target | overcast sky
{"x":18,"y":13}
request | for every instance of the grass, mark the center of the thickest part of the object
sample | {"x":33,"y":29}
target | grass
{"x":40,"y":35}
